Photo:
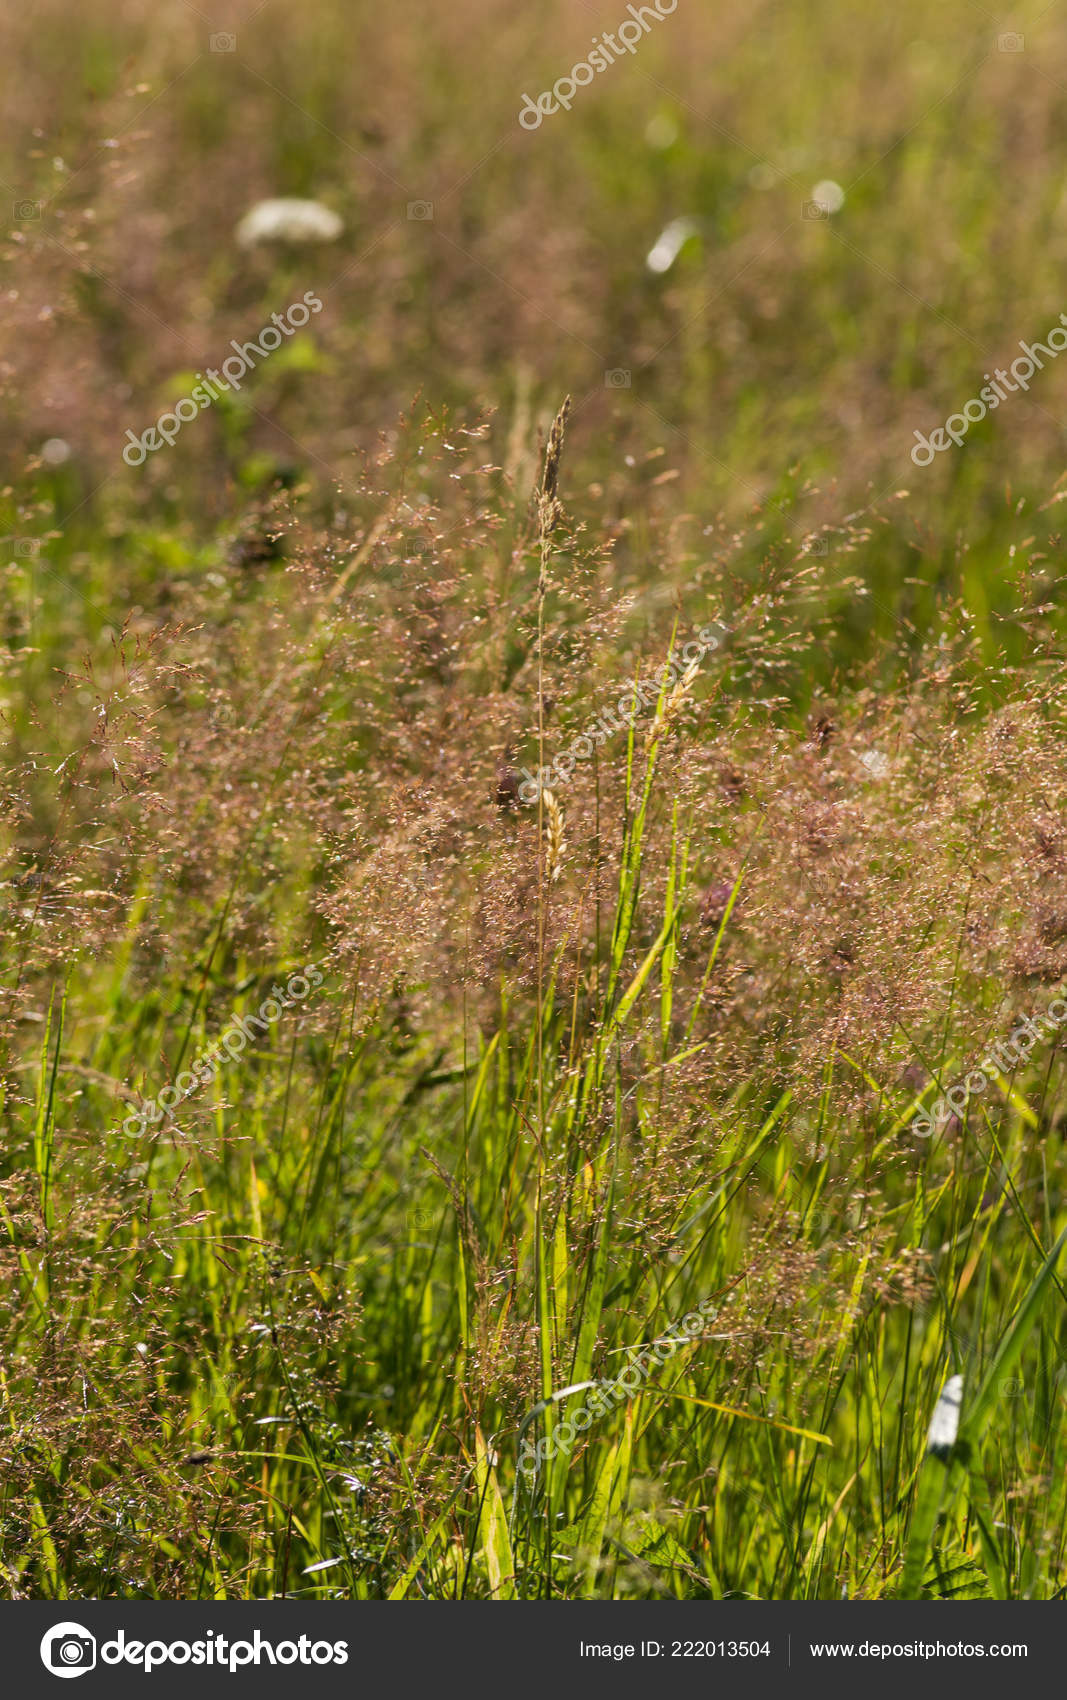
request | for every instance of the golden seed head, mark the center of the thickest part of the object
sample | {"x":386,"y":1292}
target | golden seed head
{"x":555,"y":842}
{"x":673,"y":704}
{"x":549,"y":507}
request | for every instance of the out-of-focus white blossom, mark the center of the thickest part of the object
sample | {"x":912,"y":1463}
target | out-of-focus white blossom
{"x":670,"y":242}
{"x":288,"y":220}
{"x":828,"y":196}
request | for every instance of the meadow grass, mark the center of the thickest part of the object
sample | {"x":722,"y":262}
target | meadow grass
{"x":652,"y":1048}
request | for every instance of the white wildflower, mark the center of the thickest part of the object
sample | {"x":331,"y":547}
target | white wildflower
{"x":945,"y":1422}
{"x":288,"y":220}
{"x":669,"y":244}
{"x":828,"y":196}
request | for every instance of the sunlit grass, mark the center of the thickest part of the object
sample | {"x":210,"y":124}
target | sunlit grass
{"x":573,"y":1073}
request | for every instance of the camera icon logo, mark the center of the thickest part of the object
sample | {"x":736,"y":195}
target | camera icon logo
{"x":421,"y":1218}
{"x":68,"y":1650}
{"x":617,"y":378}
{"x":1010,"y":42}
{"x":421,"y":210}
{"x":26,"y":548}
{"x":27,"y":209}
{"x":223,"y":42}
{"x":816,"y":209}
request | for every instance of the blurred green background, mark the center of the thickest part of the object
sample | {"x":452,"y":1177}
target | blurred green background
{"x":782,"y":360}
